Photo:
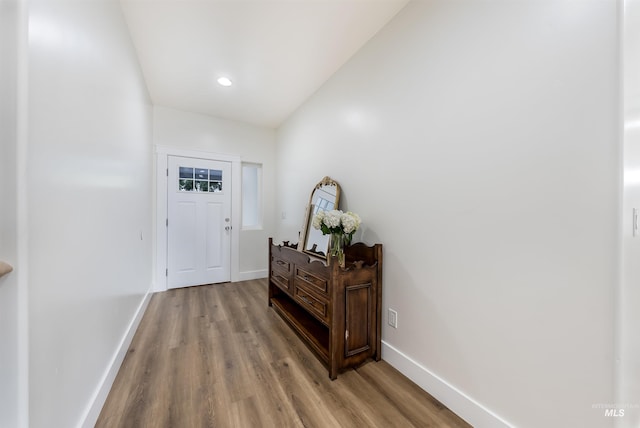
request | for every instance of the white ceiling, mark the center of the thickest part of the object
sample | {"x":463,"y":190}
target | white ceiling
{"x":277,"y":52}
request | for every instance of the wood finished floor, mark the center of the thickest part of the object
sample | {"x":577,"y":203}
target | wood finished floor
{"x":218,"y":356}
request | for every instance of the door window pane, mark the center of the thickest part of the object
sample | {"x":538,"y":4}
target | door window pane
{"x":199,"y":179}
{"x":215,"y":183}
{"x":215,"y":175}
{"x":202,"y":186}
{"x":186,"y":172}
{"x":185,"y":185}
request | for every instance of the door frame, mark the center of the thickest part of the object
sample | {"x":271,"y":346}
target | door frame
{"x":161,"y":203}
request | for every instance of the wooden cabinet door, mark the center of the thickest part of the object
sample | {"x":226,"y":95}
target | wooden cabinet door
{"x":359,"y":314}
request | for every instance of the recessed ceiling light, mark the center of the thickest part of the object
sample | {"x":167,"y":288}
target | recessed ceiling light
{"x":225,"y":81}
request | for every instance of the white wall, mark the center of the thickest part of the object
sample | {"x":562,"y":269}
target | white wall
{"x":629,"y":368}
{"x":89,"y":203}
{"x":478,"y":141}
{"x":191,"y":131}
{"x":8,"y":220}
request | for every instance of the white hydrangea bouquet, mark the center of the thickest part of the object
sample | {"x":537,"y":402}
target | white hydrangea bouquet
{"x":340,"y":225}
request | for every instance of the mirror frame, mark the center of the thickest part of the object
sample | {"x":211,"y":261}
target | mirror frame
{"x":326,"y":181}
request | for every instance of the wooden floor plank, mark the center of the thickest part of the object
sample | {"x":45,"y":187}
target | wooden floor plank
{"x":218,"y":356}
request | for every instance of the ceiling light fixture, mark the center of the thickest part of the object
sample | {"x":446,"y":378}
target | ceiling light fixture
{"x":225,"y":81}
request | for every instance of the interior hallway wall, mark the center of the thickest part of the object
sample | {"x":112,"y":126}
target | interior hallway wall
{"x":479,"y":142}
{"x":628,"y":370}
{"x":89,"y":202}
{"x":9,"y":406}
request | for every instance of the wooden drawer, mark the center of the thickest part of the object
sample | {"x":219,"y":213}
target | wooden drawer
{"x":281,"y":280}
{"x":278,"y":264}
{"x":314,"y":282}
{"x":314,"y":305}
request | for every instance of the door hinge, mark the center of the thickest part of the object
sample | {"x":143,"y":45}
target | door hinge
{"x":167,"y":172}
{"x":346,"y":335}
{"x":167,"y":222}
{"x":166,"y":272}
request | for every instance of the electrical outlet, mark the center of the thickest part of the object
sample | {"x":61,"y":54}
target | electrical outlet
{"x":393,"y":318}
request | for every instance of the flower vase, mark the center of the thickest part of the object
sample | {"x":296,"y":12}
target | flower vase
{"x":338,"y":240}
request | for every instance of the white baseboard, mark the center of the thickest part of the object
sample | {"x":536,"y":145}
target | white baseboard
{"x":252,"y":274}
{"x":457,"y":401}
{"x":102,"y":391}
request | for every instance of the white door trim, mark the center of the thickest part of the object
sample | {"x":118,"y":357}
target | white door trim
{"x":162,"y":153}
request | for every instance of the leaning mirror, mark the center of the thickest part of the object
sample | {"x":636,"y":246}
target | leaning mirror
{"x":324,"y":197}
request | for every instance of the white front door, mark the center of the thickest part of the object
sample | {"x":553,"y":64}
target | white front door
{"x":199,"y":222}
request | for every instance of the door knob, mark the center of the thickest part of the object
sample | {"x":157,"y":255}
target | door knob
{"x":227,"y":228}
